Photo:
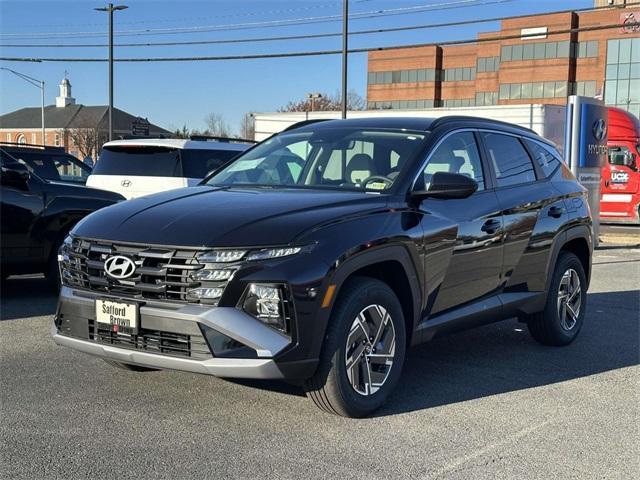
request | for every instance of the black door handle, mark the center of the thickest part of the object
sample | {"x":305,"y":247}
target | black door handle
{"x":555,"y":212}
{"x":491,"y":226}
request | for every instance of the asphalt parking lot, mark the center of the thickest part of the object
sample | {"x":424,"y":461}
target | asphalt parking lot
{"x":487,"y":403}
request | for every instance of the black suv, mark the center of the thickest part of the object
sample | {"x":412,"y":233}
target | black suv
{"x":321,"y":254}
{"x":43,"y":196}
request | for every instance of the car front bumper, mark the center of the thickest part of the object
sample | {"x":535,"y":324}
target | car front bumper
{"x":75,"y":317}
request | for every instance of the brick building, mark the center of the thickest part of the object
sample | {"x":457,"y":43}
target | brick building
{"x":526,"y":63}
{"x":81,"y":129}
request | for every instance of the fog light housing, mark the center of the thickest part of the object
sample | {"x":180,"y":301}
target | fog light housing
{"x":266,"y":303}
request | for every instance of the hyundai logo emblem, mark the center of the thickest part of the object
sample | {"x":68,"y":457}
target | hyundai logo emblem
{"x":125,"y":183}
{"x":119,"y":267}
{"x":599,"y":129}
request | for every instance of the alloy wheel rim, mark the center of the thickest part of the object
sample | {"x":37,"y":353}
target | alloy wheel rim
{"x":569,"y":299}
{"x":370,"y":350}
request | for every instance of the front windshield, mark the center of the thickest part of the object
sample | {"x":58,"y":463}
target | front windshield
{"x":346,"y":158}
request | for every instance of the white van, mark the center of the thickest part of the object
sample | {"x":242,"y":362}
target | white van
{"x":134,"y":168}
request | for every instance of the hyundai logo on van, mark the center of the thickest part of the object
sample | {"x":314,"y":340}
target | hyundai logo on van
{"x":599,"y":129}
{"x":119,"y":267}
{"x":125,"y":183}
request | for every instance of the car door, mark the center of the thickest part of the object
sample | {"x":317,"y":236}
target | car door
{"x":532,"y":209}
{"x":475,"y":263}
{"x":20,"y":206}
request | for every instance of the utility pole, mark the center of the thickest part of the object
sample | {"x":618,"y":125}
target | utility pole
{"x":345,"y":45}
{"x":110,"y":9}
{"x":36,"y":83}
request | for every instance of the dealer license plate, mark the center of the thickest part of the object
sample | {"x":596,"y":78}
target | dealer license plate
{"x":122,"y":317}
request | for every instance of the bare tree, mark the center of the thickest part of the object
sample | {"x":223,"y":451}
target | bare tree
{"x":86,"y":140}
{"x":325,"y":103}
{"x":182,"y":132}
{"x":217,"y":125}
{"x":248,"y":126}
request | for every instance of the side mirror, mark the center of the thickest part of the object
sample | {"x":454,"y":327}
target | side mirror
{"x":15,"y":175}
{"x":448,"y":185}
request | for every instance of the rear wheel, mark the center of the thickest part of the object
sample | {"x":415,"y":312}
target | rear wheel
{"x":363,"y":351}
{"x":561,"y":320}
{"x":129,"y":366}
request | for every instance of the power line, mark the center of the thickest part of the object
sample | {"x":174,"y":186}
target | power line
{"x":300,"y":37}
{"x":251,"y":13}
{"x":319,"y":52}
{"x":264,"y":24}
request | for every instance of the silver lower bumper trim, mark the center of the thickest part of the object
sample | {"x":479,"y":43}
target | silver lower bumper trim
{"x":220,"y":367}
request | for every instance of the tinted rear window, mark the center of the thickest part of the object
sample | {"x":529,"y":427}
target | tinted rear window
{"x":510,"y":160}
{"x":160,"y":161}
{"x":197,"y":163}
{"x":139,"y":161}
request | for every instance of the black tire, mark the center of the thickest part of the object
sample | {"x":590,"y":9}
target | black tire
{"x":128,"y":366}
{"x":547,"y":326}
{"x":330,"y":387}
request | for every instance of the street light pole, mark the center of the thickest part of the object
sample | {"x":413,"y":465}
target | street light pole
{"x":110,"y":9}
{"x":312,"y":97}
{"x":36,"y":83}
{"x":345,"y":34}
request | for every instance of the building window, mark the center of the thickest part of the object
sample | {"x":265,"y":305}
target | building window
{"x":33,"y":138}
{"x":56,"y":140}
{"x":585,"y":89}
{"x":8,"y":137}
{"x":402,"y":76}
{"x":518,"y":91}
{"x":543,"y":50}
{"x":588,"y":49}
{"x":622,"y":74}
{"x":458,"y":102}
{"x":21,"y":139}
{"x":487,"y":64}
{"x":486,"y":98}
{"x":459,"y":74}
{"x":401,"y":104}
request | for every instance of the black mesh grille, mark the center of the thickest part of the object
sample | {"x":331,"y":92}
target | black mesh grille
{"x":153,"y":341}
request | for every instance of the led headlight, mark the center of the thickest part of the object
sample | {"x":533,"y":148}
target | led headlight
{"x":206,"y":292}
{"x":268,"y":253}
{"x":265,"y":302}
{"x":221,"y":256}
{"x":213,"y":275}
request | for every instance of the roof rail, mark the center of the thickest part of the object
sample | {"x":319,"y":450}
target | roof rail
{"x":305,"y":122}
{"x":458,"y":118}
{"x":205,"y":138}
{"x":32,"y":145}
{"x":139,"y":137}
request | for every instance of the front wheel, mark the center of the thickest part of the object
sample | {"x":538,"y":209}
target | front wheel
{"x":363,"y":352}
{"x":561,"y":320}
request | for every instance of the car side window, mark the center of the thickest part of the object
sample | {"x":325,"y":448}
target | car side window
{"x":458,"y":153}
{"x":546,"y":159}
{"x":509,"y":158}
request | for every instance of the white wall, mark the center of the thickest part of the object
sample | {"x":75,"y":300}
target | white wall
{"x":545,"y":120}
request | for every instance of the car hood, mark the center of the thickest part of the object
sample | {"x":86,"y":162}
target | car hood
{"x":225,"y":217}
{"x":80,"y":190}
